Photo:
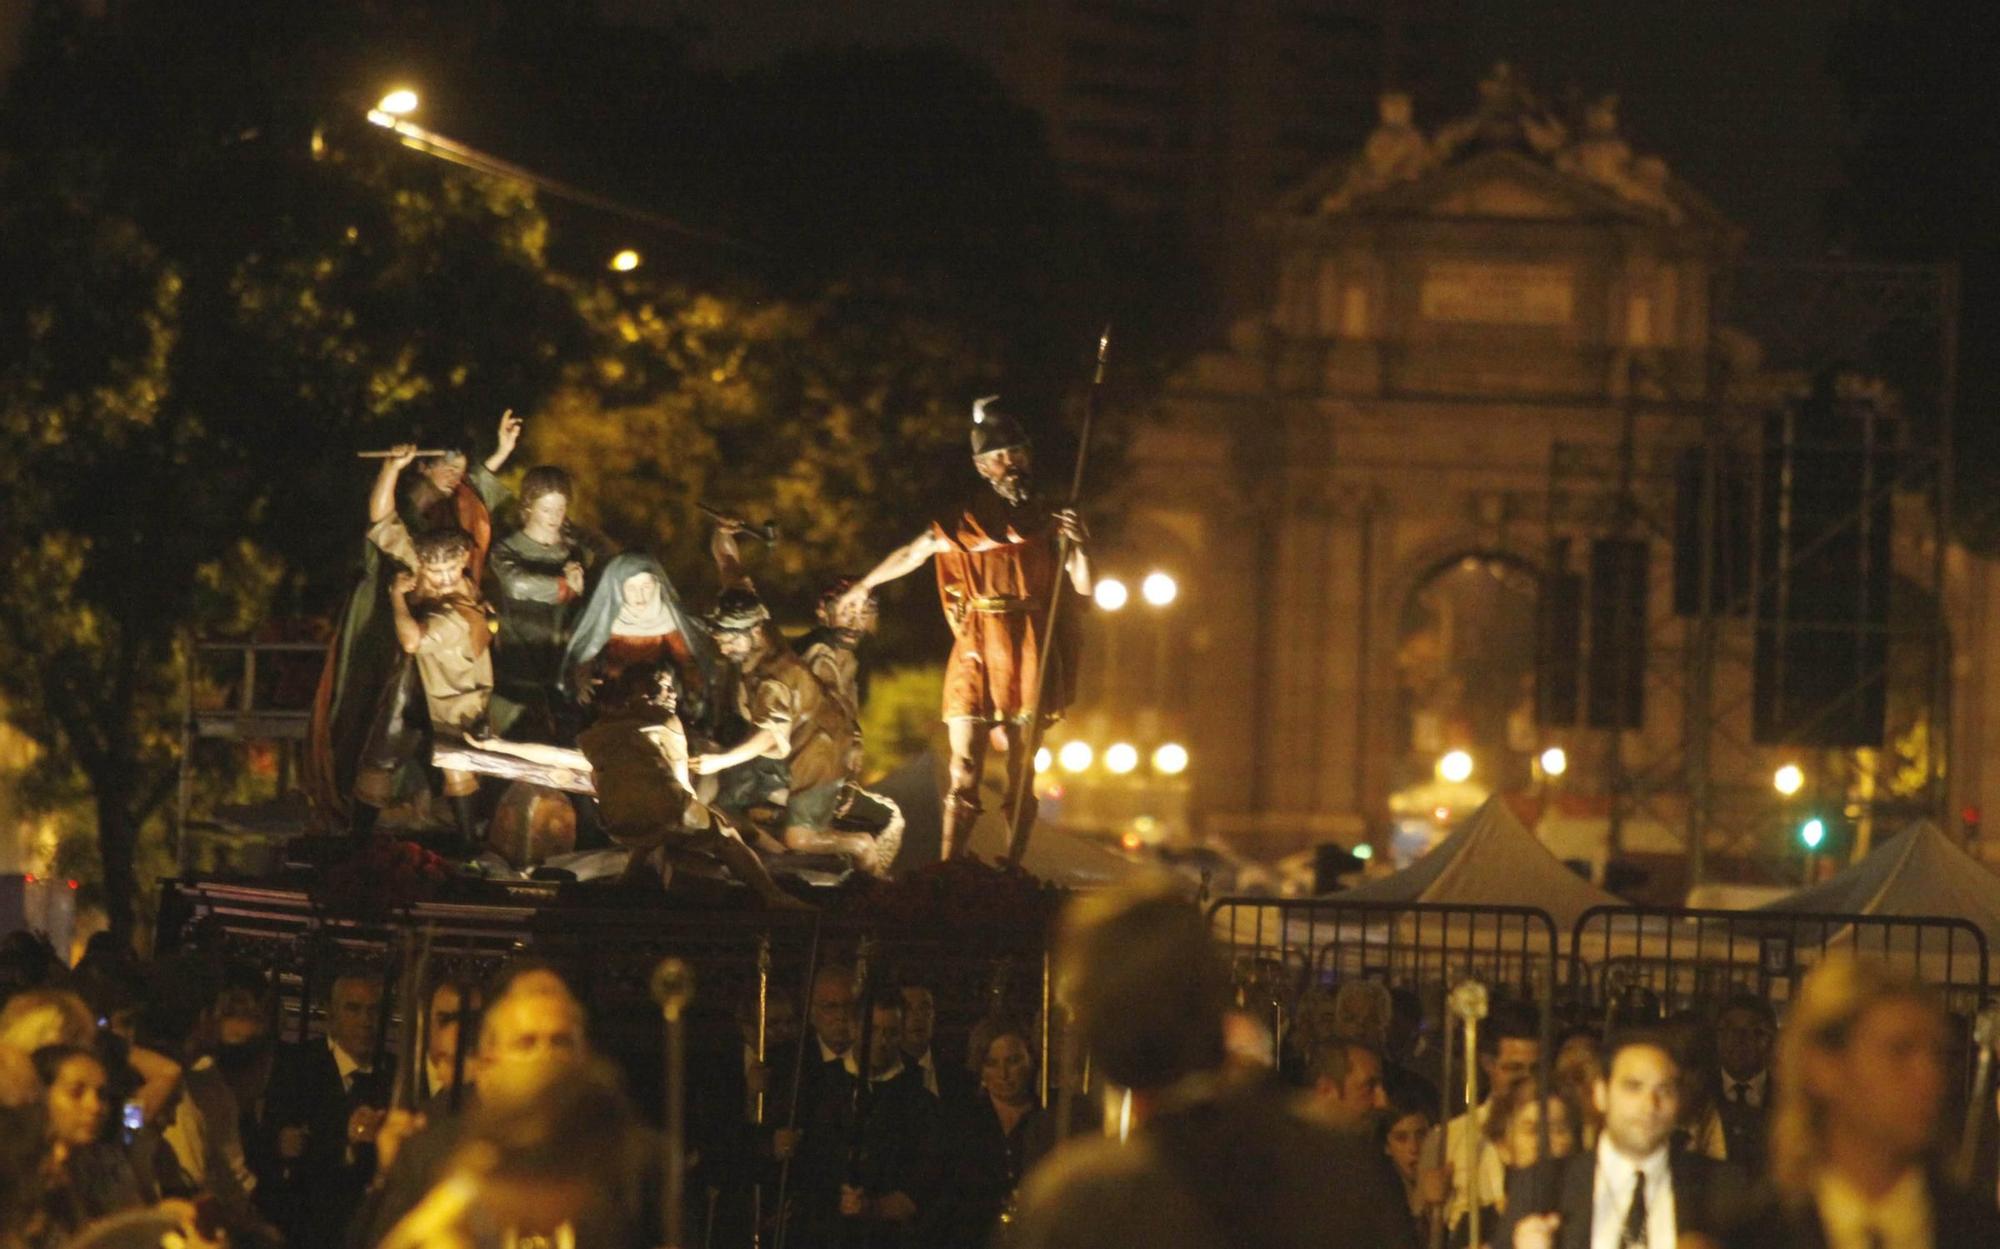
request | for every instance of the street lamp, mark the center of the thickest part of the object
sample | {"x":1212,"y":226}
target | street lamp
{"x":1159,"y":589}
{"x":1111,"y":594}
{"x":1171,"y":759}
{"x":398,"y":103}
{"x":1789,"y":779}
{"x":1456,"y":766}
{"x":1044,"y":760}
{"x":1121,"y":758}
{"x":625,"y":261}
{"x":1555,"y":761}
{"x":1075,"y":756}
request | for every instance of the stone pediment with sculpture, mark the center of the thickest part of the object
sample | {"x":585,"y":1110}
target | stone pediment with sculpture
{"x":1514,"y":155}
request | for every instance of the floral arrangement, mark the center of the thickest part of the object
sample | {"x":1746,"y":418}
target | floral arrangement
{"x":388,"y":873}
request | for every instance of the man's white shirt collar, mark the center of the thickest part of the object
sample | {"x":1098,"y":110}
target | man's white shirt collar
{"x":1611,"y":1196}
{"x":344,"y":1063}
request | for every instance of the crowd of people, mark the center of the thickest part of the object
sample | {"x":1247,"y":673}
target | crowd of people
{"x":155,"y":1099}
{"x":160,"y":1091}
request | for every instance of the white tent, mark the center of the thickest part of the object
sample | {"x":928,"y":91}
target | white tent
{"x":1489,"y":859}
{"x":1921,"y":873}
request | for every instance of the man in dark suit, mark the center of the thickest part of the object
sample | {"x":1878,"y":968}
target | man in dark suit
{"x":320,"y":1117}
{"x":453,"y":1003}
{"x":1744,"y":1032}
{"x":1861,"y":1076}
{"x":949,"y":1080}
{"x":858,"y":1170}
{"x":1203,"y":1164}
{"x":1633,"y":1191}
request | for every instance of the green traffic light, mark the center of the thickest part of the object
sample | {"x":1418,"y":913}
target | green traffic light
{"x":1812,"y":832}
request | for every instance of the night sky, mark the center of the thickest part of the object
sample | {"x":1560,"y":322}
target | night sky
{"x":1734,"y":95}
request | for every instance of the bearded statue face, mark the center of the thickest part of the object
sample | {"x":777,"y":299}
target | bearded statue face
{"x":1009,"y":472}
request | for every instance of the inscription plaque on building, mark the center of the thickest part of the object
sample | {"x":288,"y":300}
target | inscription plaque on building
{"x":1481,"y":292}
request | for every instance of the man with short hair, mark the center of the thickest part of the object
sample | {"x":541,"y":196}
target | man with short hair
{"x":859,"y":1158}
{"x":1744,"y":1032}
{"x":919,"y":1029}
{"x":451,"y":1004}
{"x":321,"y":1115}
{"x":534,"y":1027}
{"x":1347,"y":1087}
{"x":1634,"y":1191}
{"x":1203,"y":1164}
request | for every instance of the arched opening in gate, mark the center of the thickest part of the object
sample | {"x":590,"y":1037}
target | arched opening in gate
{"x":1465,"y":668}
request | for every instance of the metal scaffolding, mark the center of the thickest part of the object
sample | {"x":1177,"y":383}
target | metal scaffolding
{"x":1687,"y":422}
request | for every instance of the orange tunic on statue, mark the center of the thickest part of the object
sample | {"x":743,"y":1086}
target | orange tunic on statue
{"x":995,"y":581}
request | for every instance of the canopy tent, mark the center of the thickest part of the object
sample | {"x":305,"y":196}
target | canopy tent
{"x":1920,"y":874}
{"x":1489,"y":859}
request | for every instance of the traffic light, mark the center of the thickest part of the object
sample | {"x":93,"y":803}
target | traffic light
{"x":1812,"y":833}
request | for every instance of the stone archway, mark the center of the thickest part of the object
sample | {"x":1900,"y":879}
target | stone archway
{"x":1464,"y":666}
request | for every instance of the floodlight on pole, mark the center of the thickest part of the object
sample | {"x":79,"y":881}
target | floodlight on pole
{"x":1121,"y":757}
{"x":625,"y":261}
{"x":1159,"y":589}
{"x":1170,"y":759}
{"x":1555,"y":761}
{"x":1075,"y":756}
{"x":1455,"y":766}
{"x":398,"y":103}
{"x":1111,"y":594}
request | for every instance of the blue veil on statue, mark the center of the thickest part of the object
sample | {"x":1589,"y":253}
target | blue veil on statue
{"x":606,"y":612}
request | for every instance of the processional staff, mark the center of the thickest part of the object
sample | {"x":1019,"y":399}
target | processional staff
{"x":1017,"y":845}
{"x":1469,"y":1003}
{"x":673,"y":988}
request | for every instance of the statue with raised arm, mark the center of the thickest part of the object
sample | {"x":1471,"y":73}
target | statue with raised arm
{"x":443,"y":684}
{"x":452,"y":490}
{"x":997,"y":572}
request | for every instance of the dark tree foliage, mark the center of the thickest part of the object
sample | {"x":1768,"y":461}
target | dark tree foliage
{"x":217,"y":282}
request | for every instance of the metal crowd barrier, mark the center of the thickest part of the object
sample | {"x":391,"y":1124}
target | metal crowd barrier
{"x":1415,"y":945}
{"x":1685,"y":957}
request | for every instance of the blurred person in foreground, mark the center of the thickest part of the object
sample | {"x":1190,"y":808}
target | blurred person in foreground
{"x":1205,"y":1164}
{"x":532,"y":1166}
{"x":1634,"y":1190}
{"x":1856,"y":1126}
{"x":533,"y":1031}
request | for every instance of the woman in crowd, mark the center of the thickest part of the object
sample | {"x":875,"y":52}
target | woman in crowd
{"x":988,"y":1141}
{"x":1515,"y":1129}
{"x":87,"y":1176}
{"x":1577,"y":1067}
{"x":1403,"y":1132}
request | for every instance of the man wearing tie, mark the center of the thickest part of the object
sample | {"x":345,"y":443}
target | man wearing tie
{"x":1633,"y":1191}
{"x":1744,"y":1032}
{"x":321,"y":1116}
